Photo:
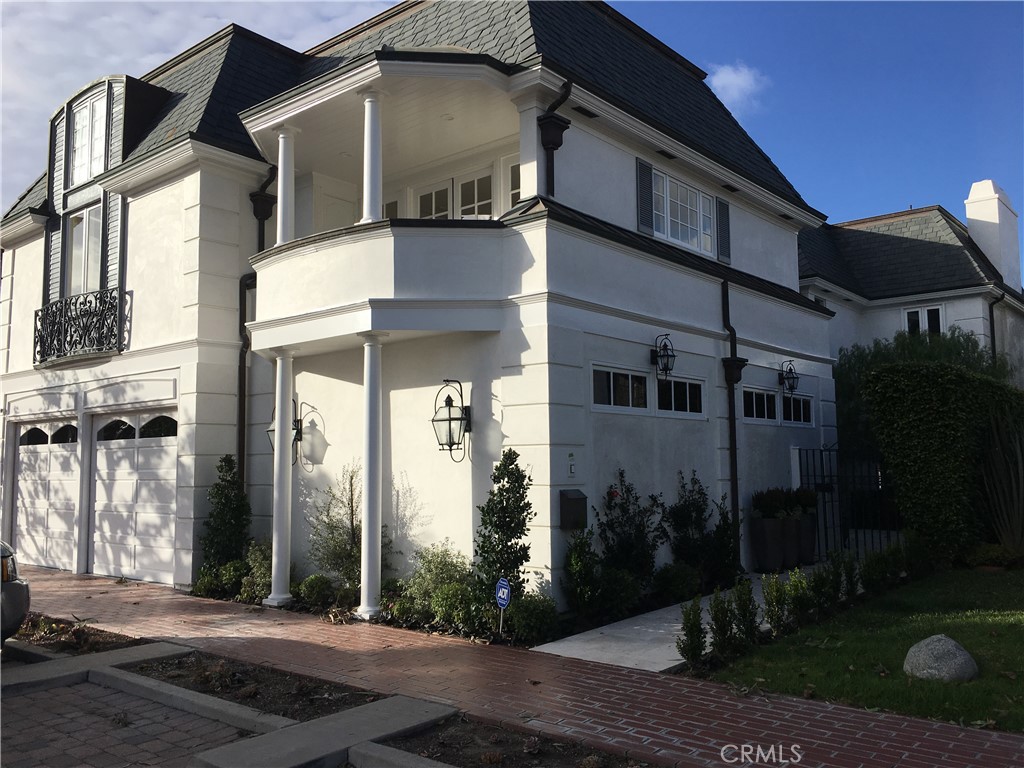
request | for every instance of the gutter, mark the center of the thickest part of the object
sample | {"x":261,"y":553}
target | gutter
{"x":733,"y":365}
{"x":262,"y":209}
{"x":992,"y":324}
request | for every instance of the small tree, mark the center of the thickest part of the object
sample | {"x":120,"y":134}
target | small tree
{"x":335,"y":530}
{"x":504,"y":520}
{"x":630,"y":532}
{"x":227,"y":527}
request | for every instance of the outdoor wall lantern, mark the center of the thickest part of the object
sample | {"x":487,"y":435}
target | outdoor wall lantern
{"x":451,"y":420}
{"x":308,"y":441}
{"x":788,"y":376}
{"x":663,"y":355}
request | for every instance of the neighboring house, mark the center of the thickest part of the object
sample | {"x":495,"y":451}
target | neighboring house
{"x":525,"y":197}
{"x":922,"y":271}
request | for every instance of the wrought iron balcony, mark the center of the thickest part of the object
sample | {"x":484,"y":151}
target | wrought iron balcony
{"x":86,"y":324}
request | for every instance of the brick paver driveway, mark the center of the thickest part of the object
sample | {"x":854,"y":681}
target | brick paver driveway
{"x":663,"y":719}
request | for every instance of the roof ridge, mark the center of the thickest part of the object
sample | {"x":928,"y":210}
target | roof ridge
{"x":893,"y":215}
{"x":405,"y":7}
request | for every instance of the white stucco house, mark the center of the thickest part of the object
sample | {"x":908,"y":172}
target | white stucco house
{"x":525,"y":199}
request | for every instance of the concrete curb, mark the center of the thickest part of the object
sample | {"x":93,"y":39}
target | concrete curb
{"x":192,"y":702}
{"x":326,"y":741}
{"x":370,"y":755}
{"x":70,"y":670}
{"x":30,"y":654}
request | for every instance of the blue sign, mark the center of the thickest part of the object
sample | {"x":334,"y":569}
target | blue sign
{"x":503,"y":593}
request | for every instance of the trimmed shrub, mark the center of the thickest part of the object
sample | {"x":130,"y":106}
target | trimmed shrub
{"x":256,"y":583}
{"x":1002,"y":475}
{"x":776,"y":604}
{"x":722,"y":626}
{"x":227,"y":527}
{"x":435,"y":566}
{"x":504,"y":520}
{"x":744,"y":609}
{"x":851,"y":576}
{"x":834,"y":569}
{"x":874,"y":573}
{"x":675,"y":581}
{"x":690,"y":643}
{"x":618,"y":593}
{"x":994,"y":555}
{"x":822,"y":593}
{"x":395,"y":605}
{"x":630,"y":532}
{"x":799,"y":598}
{"x":317,"y":591}
{"x":686,"y":521}
{"x":452,"y":606}
{"x":532,"y":619}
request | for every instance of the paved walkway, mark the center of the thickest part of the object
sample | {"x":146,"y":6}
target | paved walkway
{"x":663,"y":719}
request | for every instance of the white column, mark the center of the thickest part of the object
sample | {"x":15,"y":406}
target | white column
{"x":280,"y":593}
{"x":531,"y":153}
{"x":373,"y":165}
{"x":369,"y":605}
{"x":285,"y":183}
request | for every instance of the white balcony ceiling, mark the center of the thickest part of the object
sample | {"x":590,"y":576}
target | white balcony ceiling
{"x":424,"y":120}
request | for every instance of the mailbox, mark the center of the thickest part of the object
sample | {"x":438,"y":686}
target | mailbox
{"x":572,"y":508}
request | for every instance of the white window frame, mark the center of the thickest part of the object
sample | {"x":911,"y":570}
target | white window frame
{"x":93,"y":138}
{"x":663,"y":185}
{"x":766,"y":393}
{"x":922,"y":313}
{"x":612,"y":407}
{"x":702,"y":414}
{"x":91,"y":269}
{"x":796,"y":397}
{"x":510,"y":194}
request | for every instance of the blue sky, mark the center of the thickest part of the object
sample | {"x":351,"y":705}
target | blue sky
{"x":867,"y":108}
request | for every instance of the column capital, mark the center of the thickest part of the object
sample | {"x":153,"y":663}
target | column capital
{"x":284,"y":129}
{"x":370,"y":92}
{"x":373,"y":337}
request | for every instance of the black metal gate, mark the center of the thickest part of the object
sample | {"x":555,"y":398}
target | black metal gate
{"x":856,"y":510}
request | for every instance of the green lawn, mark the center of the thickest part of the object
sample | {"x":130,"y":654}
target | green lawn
{"x":857,"y":656}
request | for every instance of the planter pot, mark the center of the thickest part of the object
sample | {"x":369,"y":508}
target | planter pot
{"x":808,"y":538}
{"x":791,"y":543}
{"x":766,"y":540}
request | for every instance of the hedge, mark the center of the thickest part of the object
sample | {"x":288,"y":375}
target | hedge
{"x":932,"y":421}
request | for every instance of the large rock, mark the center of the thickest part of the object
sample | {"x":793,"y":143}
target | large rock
{"x":940,"y":658}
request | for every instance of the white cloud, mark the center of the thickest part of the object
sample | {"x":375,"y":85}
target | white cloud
{"x":738,"y":86}
{"x":51,"y":50}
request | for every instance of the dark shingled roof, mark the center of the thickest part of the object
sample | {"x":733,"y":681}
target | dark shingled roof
{"x":899,"y":254}
{"x":590,"y":43}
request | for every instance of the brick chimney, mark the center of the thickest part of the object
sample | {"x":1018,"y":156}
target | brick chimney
{"x":992,"y":223}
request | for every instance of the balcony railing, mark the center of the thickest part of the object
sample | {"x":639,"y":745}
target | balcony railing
{"x":87,"y":324}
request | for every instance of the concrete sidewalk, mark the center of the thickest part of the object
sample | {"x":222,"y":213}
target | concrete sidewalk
{"x":662,"y":719}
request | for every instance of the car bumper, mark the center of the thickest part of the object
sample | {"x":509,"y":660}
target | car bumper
{"x":14,"y":605}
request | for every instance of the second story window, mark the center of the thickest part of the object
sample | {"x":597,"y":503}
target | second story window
{"x":682,"y":214}
{"x":514,"y":184}
{"x":475,"y":197}
{"x":85,"y":254}
{"x":925,"y":319}
{"x":88,"y":138}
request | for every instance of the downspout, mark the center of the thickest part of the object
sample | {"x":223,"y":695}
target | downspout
{"x":992,"y":325}
{"x":733,"y":365}
{"x":552,"y":126}
{"x":262,"y":209}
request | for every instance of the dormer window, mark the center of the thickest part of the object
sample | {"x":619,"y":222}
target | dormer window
{"x":88,"y":138}
{"x":85,"y":256}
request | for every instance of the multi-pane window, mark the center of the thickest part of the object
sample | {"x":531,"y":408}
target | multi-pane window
{"x":680,"y":396}
{"x":390,"y":209}
{"x":926,"y":319}
{"x":475,"y":197}
{"x":682,"y":214}
{"x":620,"y":388}
{"x":436,"y":203}
{"x":85,"y":235}
{"x":514,"y":184}
{"x":759,"y":404}
{"x":796,"y":409}
{"x":88,"y":138}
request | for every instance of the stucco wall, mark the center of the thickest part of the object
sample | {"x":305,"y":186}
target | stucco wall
{"x":22,"y":296}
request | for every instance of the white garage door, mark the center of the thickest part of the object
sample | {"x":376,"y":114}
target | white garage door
{"x":134,"y":493}
{"x":46,"y":496}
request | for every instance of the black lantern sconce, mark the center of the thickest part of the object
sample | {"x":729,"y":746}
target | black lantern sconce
{"x":451,"y":420}
{"x":308,"y":441}
{"x":663,"y":356}
{"x":788,"y":377}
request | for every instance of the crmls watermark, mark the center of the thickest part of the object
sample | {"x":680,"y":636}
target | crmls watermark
{"x":758,"y":754}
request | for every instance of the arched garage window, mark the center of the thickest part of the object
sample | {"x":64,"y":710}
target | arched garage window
{"x":66,"y":434}
{"x":161,"y":426}
{"x":116,"y":430}
{"x":34,"y":436}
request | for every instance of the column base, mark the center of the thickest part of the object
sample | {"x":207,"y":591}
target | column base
{"x":277,"y":601}
{"x":367,"y":612}
{"x":367,"y":220}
